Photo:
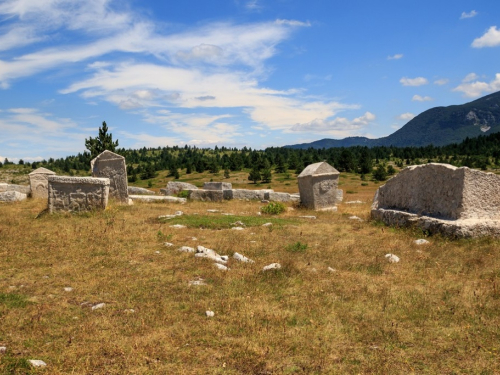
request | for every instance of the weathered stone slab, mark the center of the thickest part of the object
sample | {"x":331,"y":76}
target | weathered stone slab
{"x":246,"y":194}
{"x":12,"y":196}
{"x":156,"y":198}
{"x":13,"y":187}
{"x":77,"y":193}
{"x":318,"y":186}
{"x":110,"y":165}
{"x":134,"y":190}
{"x":217,"y":186}
{"x":206,"y":195}
{"x":175,"y":187}
{"x":440,"y":198}
{"x":278,"y":197}
{"x":39,"y":182}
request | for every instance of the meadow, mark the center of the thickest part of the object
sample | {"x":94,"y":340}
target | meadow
{"x":335,"y":307}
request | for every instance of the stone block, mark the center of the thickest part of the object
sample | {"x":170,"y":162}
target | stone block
{"x":175,"y":187}
{"x":77,"y":193}
{"x":12,"y":196}
{"x":39,"y":182}
{"x":278,"y":197}
{"x":318,"y":186}
{"x":156,"y":199}
{"x":217,"y":186}
{"x":206,"y":195}
{"x":244,"y":194}
{"x":112,"y":166}
{"x":133,"y":190}
{"x":13,"y":187}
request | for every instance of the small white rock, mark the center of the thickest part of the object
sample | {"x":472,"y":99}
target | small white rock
{"x":259,"y":213}
{"x":178,"y":226}
{"x":68,"y":289}
{"x":157,"y":252}
{"x":37,"y":363}
{"x":421,"y":242}
{"x":237,"y":228}
{"x":308,"y":217}
{"x":242,"y":258}
{"x":272,"y":266}
{"x":168,"y":244}
{"x":224,"y":257}
{"x":129,"y":311}
{"x":3,"y":349}
{"x":167,"y":217}
{"x":212,"y":211}
{"x":178,"y":213}
{"x":391,"y":258}
{"x":332,"y":270}
{"x":221,"y":267}
{"x":209,"y":314}
{"x":46,"y":277}
{"x":214,"y":257}
{"x":197,"y":282}
{"x":267,"y":224}
{"x":355,"y":218}
{"x":194,"y":239}
{"x":98,"y":306}
{"x":354,"y":202}
{"x":187,"y":249}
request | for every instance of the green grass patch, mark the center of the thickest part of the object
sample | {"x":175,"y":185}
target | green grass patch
{"x":12,"y":300}
{"x":224,"y":222}
{"x":273,"y":208}
{"x":297,"y":247}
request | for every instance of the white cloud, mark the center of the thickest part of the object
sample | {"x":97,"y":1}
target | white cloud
{"x":470,"y":77}
{"x":441,"y":81}
{"x":478,"y":88}
{"x":339,"y":126}
{"x":292,"y":23}
{"x":471,"y":14}
{"x":406,"y":116}
{"x":395,"y":57}
{"x":418,"y":98}
{"x":490,"y":39}
{"x":252,"y":5}
{"x":418,"y":81}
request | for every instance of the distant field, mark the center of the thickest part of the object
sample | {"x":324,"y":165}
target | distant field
{"x":434,"y":312}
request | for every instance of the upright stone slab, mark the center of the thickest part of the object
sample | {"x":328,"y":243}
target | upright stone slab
{"x":39,"y":182}
{"x":318,"y":186}
{"x":460,"y":202}
{"x":77,"y":193}
{"x":110,"y":165}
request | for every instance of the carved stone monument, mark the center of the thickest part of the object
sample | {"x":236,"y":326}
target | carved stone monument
{"x":77,"y":193}
{"x":39,"y":182}
{"x":460,"y":202}
{"x":318,"y":186}
{"x":110,"y":165}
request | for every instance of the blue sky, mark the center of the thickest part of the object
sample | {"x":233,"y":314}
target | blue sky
{"x":234,"y":73}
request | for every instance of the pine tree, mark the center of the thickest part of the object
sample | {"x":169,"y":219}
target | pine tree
{"x":102,"y":142}
{"x":254,"y":174}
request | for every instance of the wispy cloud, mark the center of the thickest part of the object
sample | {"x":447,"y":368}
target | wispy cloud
{"x":406,"y":116}
{"x":489,"y":39}
{"x":418,"y":98}
{"x":470,"y":14}
{"x":395,"y":57}
{"x":441,"y":81}
{"x":472,"y":88}
{"x":418,"y":81}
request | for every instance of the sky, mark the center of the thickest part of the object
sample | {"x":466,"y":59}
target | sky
{"x":234,"y":73}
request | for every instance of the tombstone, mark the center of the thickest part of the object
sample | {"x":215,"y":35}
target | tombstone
{"x":318,"y":186}
{"x":175,"y":187}
{"x":110,"y":165}
{"x":217,"y":186}
{"x":206,"y":195}
{"x":12,"y":196}
{"x":458,"y":202}
{"x":77,"y":193}
{"x":39,"y":182}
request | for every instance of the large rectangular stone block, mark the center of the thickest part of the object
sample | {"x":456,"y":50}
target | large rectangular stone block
{"x":318,"y":186}
{"x":77,"y":193}
{"x":206,"y":195}
{"x":217,"y":186}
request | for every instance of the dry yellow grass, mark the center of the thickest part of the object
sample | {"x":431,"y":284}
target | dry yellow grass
{"x":435,"y":312}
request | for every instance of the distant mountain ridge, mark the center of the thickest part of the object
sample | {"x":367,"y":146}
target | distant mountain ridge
{"x":439,"y":126}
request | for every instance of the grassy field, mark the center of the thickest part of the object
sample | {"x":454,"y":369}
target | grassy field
{"x":437,"y":311}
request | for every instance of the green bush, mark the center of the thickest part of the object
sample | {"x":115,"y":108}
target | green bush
{"x":273,"y":208}
{"x":297,"y":247}
{"x":183,"y":194}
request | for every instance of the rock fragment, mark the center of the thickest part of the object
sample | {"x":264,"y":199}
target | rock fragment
{"x":421,"y":242}
{"x":272,"y":266}
{"x":98,"y":306}
{"x":242,"y":258}
{"x":391,"y":258}
{"x":37,"y":363}
{"x":209,"y":314}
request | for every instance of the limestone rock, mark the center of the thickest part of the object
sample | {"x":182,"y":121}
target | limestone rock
{"x":169,"y":244}
{"x":77,"y":193}
{"x":12,"y":196}
{"x":112,"y":166}
{"x":267,"y":224}
{"x":391,"y":258}
{"x":209,"y":314}
{"x":197,"y":282}
{"x":175,"y":187}
{"x":24,"y":189}
{"x":272,"y":266}
{"x":238,"y":228}
{"x":3,"y":349}
{"x":355,"y":218}
{"x":39,"y":183}
{"x":134,"y":190}
{"x":221,"y":267}
{"x":421,"y":242}
{"x":37,"y":363}
{"x":217,"y":186}
{"x":68,"y":289}
{"x":157,"y":198}
{"x":308,"y":217}
{"x":206,"y":195}
{"x":318,"y":186}
{"x":246,"y":194}
{"x":98,"y":306}
{"x":242,"y":258}
{"x":178,"y":226}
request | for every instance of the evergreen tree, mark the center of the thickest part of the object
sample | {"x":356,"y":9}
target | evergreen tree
{"x":266,"y":171}
{"x":189,"y":169}
{"x":380,"y":174}
{"x":254,"y":174}
{"x":102,"y":142}
{"x":226,"y":173}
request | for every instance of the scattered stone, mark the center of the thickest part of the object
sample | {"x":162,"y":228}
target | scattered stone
{"x":12,"y":196}
{"x":197,"y":282}
{"x":421,"y":242}
{"x":242,"y":258}
{"x":37,"y":363}
{"x":174,"y":187}
{"x":98,"y":306}
{"x":355,"y":218}
{"x":112,"y":166}
{"x":308,"y":217}
{"x":224,"y":257}
{"x":203,"y":252}
{"x":206,"y":195}
{"x":39,"y":183}
{"x":167,"y":217}
{"x":3,"y":349}
{"x":194,"y":239}
{"x":354,"y":202}
{"x":46,"y":277}
{"x":129,"y":311}
{"x":267,"y":224}
{"x":209,"y":314}
{"x":77,"y":193}
{"x":318,"y":186}
{"x":157,"y":252}
{"x":238,"y":224}
{"x":68,"y":289}
{"x":178,"y":213}
{"x":272,"y":266}
{"x":213,"y":211}
{"x":221,"y":267}
{"x":187,"y":249}
{"x":178,"y":226}
{"x":217,"y":186}
{"x":265,"y":201}
{"x":332,"y":270}
{"x":168,"y":244}
{"x":391,"y":258}
{"x":237,"y":228}
{"x":134,"y":190}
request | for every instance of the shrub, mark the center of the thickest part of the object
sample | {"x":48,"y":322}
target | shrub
{"x":273,"y":208}
{"x":297,"y":247}
{"x":183,"y":194}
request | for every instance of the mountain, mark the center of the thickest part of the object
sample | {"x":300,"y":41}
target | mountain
{"x":438,"y":126}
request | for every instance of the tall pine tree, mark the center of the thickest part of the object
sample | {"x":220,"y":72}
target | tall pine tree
{"x":102,"y":142}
